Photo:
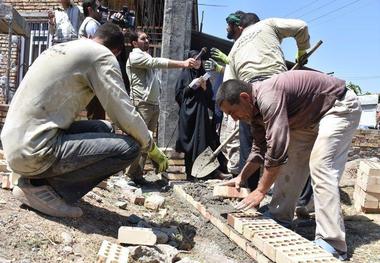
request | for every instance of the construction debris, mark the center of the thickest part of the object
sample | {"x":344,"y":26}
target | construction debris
{"x":154,"y":202}
{"x":136,"y":236}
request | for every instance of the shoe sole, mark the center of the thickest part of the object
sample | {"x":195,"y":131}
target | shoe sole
{"x":20,"y":195}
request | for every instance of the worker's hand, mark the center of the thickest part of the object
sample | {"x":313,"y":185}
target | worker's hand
{"x":211,"y":65}
{"x":252,"y":200}
{"x":189,"y":63}
{"x":219,"y":56}
{"x":157,"y":156}
{"x":299,"y":56}
{"x":203,"y":84}
{"x":237,"y":182}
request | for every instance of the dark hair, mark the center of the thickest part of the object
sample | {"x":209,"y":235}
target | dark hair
{"x":230,"y":91}
{"x":86,"y":4}
{"x":248,"y":19}
{"x":133,"y":35}
{"x":111,"y":35}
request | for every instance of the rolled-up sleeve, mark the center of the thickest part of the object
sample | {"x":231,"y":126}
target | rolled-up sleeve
{"x":275,"y":117}
{"x":143,"y":60}
{"x":258,"y":149}
{"x":292,"y":28}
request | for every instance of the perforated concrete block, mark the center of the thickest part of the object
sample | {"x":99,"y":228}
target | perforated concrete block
{"x":250,"y":230}
{"x":267,"y":242}
{"x":301,"y":253}
{"x":235,"y":218}
{"x":112,"y":253}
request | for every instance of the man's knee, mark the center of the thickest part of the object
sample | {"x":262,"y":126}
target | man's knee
{"x":131,"y":150}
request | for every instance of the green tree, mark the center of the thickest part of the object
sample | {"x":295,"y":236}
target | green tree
{"x":354,"y":88}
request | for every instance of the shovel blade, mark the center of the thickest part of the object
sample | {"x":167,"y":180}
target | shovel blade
{"x":205,"y":164}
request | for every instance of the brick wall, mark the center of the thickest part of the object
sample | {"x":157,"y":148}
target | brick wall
{"x":3,"y":64}
{"x":365,"y":144}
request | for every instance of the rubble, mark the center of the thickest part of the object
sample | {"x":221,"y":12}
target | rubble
{"x":154,"y":202}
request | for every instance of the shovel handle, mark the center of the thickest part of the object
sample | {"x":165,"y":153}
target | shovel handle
{"x":217,"y":151}
{"x":307,"y":55}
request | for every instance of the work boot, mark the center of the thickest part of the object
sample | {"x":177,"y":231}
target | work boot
{"x":44,"y":199}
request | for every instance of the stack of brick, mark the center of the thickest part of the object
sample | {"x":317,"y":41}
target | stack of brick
{"x":176,"y":170}
{"x":367,"y":187}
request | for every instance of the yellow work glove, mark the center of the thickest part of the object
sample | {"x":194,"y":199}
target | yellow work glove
{"x":299,"y":55}
{"x":157,"y":156}
{"x":219,"y":56}
{"x":211,"y":65}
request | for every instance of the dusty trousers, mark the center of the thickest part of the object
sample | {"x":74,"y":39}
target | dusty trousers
{"x":87,"y":153}
{"x":321,"y":150}
{"x":149,"y":113}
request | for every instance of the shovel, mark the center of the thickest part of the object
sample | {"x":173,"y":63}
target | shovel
{"x":207,"y":162}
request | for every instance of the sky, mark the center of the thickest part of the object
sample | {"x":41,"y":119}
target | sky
{"x":349,"y":29}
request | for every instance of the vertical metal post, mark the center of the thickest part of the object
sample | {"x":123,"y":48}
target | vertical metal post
{"x":7,"y":85}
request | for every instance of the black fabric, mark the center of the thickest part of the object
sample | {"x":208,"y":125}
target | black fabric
{"x":195,"y":129}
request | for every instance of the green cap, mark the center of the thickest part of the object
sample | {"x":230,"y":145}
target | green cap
{"x":233,"y":19}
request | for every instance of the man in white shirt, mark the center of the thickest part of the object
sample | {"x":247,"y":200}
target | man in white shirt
{"x":64,"y":23}
{"x":59,"y":159}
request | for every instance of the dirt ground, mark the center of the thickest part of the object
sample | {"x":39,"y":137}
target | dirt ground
{"x":28,"y":236}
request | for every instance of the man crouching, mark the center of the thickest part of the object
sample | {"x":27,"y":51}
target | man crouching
{"x":59,"y":159}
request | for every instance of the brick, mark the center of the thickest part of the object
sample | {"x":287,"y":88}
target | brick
{"x":250,"y":230}
{"x":176,"y":169}
{"x":368,"y":183}
{"x":154,"y":202}
{"x":134,"y":198}
{"x":6,"y":182}
{"x":365,"y":200}
{"x":179,"y":162}
{"x":369,"y":168}
{"x":268,"y":241}
{"x":112,"y":253}
{"x":136,"y":236}
{"x":230,"y":191}
{"x":174,"y":177}
{"x":232,"y":217}
{"x":303,"y":253}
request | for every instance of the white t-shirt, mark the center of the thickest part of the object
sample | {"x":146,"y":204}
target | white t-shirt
{"x":88,"y":27}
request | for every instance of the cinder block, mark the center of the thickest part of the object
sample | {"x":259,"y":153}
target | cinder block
{"x":232,"y":217}
{"x":302,"y":253}
{"x":250,"y":230}
{"x":134,"y":198}
{"x":112,"y":253}
{"x":230,"y":191}
{"x":136,"y":236}
{"x":369,"y":168}
{"x":268,"y":241}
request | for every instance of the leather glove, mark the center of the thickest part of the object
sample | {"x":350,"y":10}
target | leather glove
{"x":219,"y":56}
{"x":299,"y":55}
{"x":211,"y":65}
{"x":157,"y":156}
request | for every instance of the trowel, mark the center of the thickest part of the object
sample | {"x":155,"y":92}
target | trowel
{"x":207,"y":162}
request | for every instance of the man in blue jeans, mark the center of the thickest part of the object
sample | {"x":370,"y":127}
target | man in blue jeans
{"x":57,"y":158}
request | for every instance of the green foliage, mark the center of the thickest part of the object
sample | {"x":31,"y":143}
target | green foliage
{"x":355,"y":88}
